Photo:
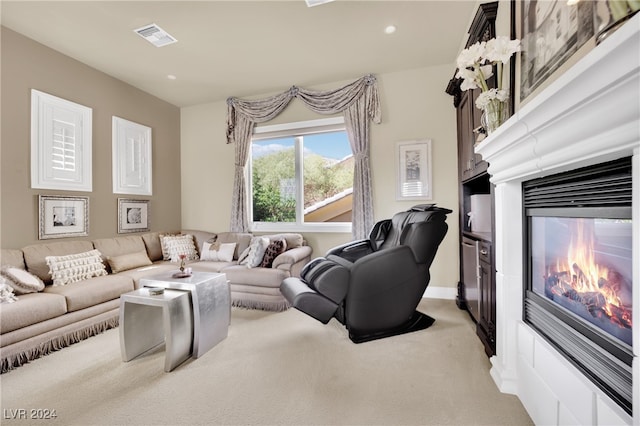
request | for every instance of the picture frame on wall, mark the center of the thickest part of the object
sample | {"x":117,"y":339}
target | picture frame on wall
{"x":551,"y":32}
{"x":131,"y":149}
{"x":133,"y":215}
{"x":413,"y":160}
{"x":61,"y":216}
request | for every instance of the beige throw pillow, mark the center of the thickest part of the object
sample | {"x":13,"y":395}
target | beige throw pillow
{"x":129,"y":261}
{"x":217,"y":252}
{"x":75,"y":267}
{"x":21,"y":281}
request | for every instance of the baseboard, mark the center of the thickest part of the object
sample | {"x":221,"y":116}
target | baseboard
{"x":448,"y":293}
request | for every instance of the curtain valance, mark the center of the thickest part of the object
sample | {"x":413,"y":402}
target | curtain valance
{"x":360,"y":104}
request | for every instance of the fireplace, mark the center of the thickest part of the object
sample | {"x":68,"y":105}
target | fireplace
{"x":587,"y":117}
{"x":578,"y":275}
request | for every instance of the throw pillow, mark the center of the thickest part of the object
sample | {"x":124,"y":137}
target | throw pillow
{"x":75,"y":267}
{"x":163,"y":245}
{"x":6,"y":292}
{"x":217,"y":252}
{"x":273,"y":250}
{"x":181,"y":244}
{"x":128,"y":261}
{"x":21,"y":281}
{"x":257,"y":247}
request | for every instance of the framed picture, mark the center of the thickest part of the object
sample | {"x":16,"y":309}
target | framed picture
{"x":551,"y":32}
{"x":131,"y":145}
{"x":133,"y":215}
{"x":60,"y":143}
{"x":63,"y":217}
{"x":413,"y":160}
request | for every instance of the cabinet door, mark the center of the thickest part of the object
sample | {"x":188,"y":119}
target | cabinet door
{"x":487,"y":323}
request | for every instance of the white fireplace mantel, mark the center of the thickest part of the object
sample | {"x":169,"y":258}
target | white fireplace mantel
{"x":589,"y":115}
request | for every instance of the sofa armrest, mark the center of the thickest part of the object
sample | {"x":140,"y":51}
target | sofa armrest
{"x":293,"y":260}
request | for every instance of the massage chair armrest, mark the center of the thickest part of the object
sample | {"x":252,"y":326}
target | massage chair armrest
{"x":381,"y":270}
{"x":352,"y":250}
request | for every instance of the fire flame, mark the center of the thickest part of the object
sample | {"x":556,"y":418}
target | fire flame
{"x":587,"y":276}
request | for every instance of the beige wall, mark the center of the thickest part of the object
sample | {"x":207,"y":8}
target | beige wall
{"x":414,"y":106}
{"x":26,"y":65}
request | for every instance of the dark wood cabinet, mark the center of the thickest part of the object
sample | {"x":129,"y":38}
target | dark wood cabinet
{"x":476,"y":288}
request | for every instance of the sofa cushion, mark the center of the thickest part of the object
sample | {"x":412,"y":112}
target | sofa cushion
{"x":241,"y":239}
{"x":146,"y":271}
{"x":110,"y":247}
{"x":34,"y":255}
{"x":259,"y":277}
{"x":75,"y":267}
{"x":152,"y":243}
{"x":30,"y":309}
{"x":12,"y":257}
{"x":293,"y":239}
{"x":21,"y":281}
{"x":92,"y":291}
{"x":200,"y":237}
{"x":125,"y":262}
{"x":217,"y":252}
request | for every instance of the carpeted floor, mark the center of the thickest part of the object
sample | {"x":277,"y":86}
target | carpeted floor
{"x":274,"y":369}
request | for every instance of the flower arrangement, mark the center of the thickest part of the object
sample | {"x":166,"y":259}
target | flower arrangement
{"x":475,"y":66}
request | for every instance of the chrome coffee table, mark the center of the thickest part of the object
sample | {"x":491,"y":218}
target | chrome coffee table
{"x":211,"y":301}
{"x":147,"y":321}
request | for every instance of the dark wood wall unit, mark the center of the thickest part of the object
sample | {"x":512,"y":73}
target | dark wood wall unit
{"x":474,"y":180}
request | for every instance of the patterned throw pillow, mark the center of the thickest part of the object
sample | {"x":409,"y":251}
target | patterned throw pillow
{"x":6,"y":292}
{"x":75,"y":267}
{"x":255,"y":252}
{"x":163,"y":245}
{"x":217,"y":252}
{"x":180,"y":244}
{"x":273,"y":250}
{"x":21,"y":281}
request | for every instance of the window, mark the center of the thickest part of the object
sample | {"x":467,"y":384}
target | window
{"x":60,"y":143}
{"x":301,"y":177}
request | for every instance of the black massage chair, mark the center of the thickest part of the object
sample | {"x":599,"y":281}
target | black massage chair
{"x":373,"y":286}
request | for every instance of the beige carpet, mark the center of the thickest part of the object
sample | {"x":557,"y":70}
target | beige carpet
{"x":273,"y":369}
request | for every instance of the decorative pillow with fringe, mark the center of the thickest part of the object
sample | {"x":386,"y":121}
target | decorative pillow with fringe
{"x":181,"y":244}
{"x":163,"y":245}
{"x":75,"y":267}
{"x":6,"y":292}
{"x":21,"y":281}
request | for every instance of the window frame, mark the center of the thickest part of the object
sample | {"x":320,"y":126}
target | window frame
{"x":294,"y":130}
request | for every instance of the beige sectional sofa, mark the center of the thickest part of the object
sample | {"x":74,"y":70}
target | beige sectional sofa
{"x":41,"y":322}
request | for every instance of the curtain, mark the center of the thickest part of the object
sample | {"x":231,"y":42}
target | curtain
{"x":359,"y":103}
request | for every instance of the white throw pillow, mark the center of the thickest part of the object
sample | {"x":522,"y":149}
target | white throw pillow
{"x":257,"y":247}
{"x":217,"y":252}
{"x":21,"y":281}
{"x":6,"y":292}
{"x":181,"y":244}
{"x":75,"y":267}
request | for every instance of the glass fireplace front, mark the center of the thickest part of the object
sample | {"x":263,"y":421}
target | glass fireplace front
{"x":578,"y":270}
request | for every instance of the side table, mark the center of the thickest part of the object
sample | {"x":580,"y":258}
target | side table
{"x":147,"y":321}
{"x":211,"y":300}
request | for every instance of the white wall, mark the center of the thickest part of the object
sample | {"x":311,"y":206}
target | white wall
{"x":414,"y":106}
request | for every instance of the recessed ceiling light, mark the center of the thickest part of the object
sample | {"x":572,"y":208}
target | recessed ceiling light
{"x":171,"y":77}
{"x":390,"y":29}
{"x":312,"y":3}
{"x":155,"y":35}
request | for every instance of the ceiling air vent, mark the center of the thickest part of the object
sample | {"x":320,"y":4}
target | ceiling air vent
{"x":312,"y":3}
{"x":155,"y":35}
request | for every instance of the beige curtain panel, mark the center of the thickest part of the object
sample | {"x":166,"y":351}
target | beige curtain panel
{"x":360,"y":104}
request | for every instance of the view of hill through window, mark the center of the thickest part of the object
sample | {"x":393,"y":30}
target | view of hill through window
{"x":326,"y":177}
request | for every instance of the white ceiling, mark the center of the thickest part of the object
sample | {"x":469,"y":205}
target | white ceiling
{"x":245,"y":48}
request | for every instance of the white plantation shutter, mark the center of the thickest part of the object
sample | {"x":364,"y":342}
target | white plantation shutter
{"x":60,"y":143}
{"x":131,"y":157}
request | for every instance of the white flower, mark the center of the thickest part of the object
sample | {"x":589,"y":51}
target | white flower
{"x":502,"y":95}
{"x":500,"y":49}
{"x":468,"y":79}
{"x":471,"y":56}
{"x":484,"y":99}
{"x":487,"y":71}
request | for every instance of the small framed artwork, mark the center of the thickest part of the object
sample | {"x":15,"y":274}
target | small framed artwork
{"x":131,"y":145}
{"x":413,"y":160}
{"x":63,"y":217}
{"x":133,"y":215}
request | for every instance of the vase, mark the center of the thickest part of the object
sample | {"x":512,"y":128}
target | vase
{"x":609,"y":15}
{"x":494,"y":115}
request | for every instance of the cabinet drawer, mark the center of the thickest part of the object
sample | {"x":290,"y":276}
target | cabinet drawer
{"x":485,"y":252}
